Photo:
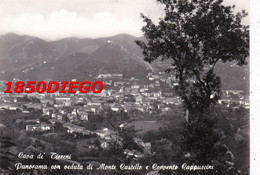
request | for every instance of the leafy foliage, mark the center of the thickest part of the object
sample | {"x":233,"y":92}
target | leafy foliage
{"x":196,"y":35}
{"x":6,"y":157}
{"x":203,"y":142}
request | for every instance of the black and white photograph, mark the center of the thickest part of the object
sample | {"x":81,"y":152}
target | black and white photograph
{"x":125,"y":87}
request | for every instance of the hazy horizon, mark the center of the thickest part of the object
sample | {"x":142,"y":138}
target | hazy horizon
{"x":57,"y":19}
{"x":66,"y":37}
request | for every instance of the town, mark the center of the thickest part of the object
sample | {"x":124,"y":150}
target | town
{"x":82,"y":124}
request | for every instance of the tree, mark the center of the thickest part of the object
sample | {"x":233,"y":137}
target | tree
{"x":196,"y":35}
{"x":6,"y":157}
{"x":59,"y":127}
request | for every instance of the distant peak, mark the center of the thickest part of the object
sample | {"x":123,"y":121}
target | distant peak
{"x":124,"y":35}
{"x":10,"y":34}
{"x":118,"y":37}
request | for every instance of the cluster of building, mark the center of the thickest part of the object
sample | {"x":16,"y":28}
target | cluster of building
{"x":235,"y":99}
{"x":70,"y":110}
{"x":154,"y":95}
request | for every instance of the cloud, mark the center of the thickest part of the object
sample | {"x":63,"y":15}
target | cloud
{"x":63,"y":23}
{"x":56,"y":19}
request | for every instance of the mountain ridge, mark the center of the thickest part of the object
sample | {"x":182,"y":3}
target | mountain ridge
{"x":29,"y":57}
{"x":22,"y":55}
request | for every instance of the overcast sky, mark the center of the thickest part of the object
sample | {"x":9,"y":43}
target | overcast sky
{"x":54,"y":19}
